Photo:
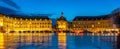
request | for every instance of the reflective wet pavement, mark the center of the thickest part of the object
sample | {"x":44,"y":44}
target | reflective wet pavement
{"x":57,"y":41}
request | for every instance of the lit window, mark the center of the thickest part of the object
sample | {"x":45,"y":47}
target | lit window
{"x":98,"y":22}
{"x":92,"y":25}
{"x":20,"y":18}
{"x":40,"y":19}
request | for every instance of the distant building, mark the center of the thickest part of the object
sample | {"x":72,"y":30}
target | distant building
{"x":12,"y":23}
{"x":26,"y":24}
{"x":116,"y":17}
{"x":62,"y":23}
{"x":92,"y":23}
{"x":96,"y":24}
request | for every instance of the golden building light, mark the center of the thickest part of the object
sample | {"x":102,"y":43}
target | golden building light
{"x":23,"y":24}
{"x":94,"y":23}
{"x":62,"y":23}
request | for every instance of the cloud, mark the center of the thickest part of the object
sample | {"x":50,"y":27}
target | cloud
{"x":9,"y":11}
{"x":6,"y":10}
{"x":11,"y":3}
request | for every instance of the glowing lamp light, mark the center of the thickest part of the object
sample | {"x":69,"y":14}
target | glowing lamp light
{"x":92,"y":25}
{"x":1,"y":24}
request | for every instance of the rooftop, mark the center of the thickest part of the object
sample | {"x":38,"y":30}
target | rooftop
{"x":103,"y":17}
{"x":29,"y":17}
{"x":116,"y":10}
{"x":62,"y":17}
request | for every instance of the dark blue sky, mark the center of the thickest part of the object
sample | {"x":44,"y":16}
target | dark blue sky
{"x":71,"y":8}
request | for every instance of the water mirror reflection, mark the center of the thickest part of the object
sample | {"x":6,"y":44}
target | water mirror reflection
{"x":58,"y":40}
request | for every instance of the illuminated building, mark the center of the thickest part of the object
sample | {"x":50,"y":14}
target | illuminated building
{"x":1,"y":41}
{"x":25,"y":24}
{"x":97,"y":23}
{"x":31,"y":24}
{"x":116,"y":17}
{"x":62,"y":23}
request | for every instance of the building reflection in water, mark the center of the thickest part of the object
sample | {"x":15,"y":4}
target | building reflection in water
{"x":118,"y":42}
{"x":62,"y":37}
{"x":61,"y":41}
{"x":23,"y":41}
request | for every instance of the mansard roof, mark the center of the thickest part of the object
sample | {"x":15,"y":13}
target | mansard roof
{"x":116,"y":11}
{"x":61,"y":18}
{"x":104,"y":17}
{"x":29,"y":17}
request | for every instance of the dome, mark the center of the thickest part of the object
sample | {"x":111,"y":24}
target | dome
{"x":62,"y":17}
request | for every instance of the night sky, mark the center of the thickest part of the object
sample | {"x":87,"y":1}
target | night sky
{"x":71,"y":8}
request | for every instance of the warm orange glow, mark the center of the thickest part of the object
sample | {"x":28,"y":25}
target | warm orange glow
{"x":1,"y":41}
{"x":1,"y":24}
{"x":62,"y":25}
{"x":62,"y":40}
{"x":21,"y":25}
{"x":15,"y":24}
{"x":92,"y":25}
